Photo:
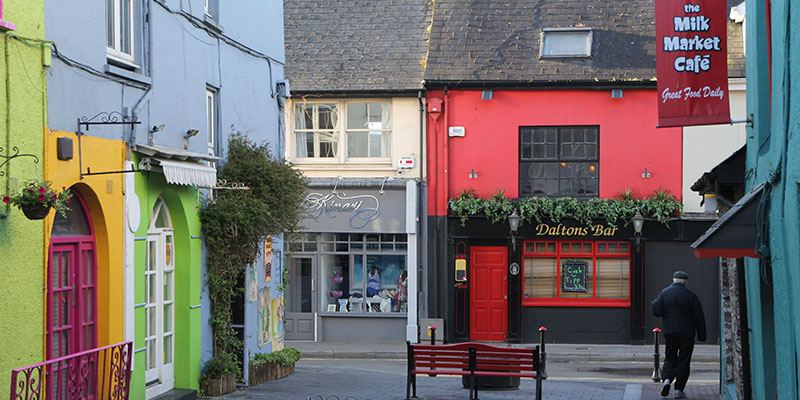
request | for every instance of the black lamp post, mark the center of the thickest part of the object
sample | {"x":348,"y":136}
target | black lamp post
{"x":638,"y":222}
{"x":513,"y":224}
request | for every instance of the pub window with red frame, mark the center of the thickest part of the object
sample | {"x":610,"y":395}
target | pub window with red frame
{"x":604,"y":266}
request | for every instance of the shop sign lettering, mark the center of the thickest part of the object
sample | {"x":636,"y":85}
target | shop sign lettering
{"x":691,"y":62}
{"x":359,"y":210}
{"x":563,"y":230}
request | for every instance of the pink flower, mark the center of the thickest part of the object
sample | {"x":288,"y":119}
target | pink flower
{"x":54,"y":196}
{"x":6,"y":199}
{"x":68,"y":201}
{"x":41,"y":197}
{"x":41,"y":189}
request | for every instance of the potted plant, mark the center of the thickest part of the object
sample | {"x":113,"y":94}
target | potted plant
{"x":219,"y":375}
{"x":37,"y":197}
{"x":270,"y":366}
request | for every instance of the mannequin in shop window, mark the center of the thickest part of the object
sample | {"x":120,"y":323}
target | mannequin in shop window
{"x":402,"y":291}
{"x":374,"y":281}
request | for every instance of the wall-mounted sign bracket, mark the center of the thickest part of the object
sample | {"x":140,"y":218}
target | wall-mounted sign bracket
{"x":106,"y":118}
{"x":102,"y":118}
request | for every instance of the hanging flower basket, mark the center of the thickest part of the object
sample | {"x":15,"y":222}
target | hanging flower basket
{"x":35,"y":211}
{"x":35,"y":198}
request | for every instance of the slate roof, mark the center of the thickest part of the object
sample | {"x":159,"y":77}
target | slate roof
{"x":498,"y":40}
{"x":355,"y":45}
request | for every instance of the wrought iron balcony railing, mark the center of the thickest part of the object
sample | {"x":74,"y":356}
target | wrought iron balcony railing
{"x":101,"y":373}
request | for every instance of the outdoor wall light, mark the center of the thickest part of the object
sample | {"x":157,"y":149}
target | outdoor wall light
{"x":638,"y":222}
{"x":155,"y":129}
{"x":513,"y":224}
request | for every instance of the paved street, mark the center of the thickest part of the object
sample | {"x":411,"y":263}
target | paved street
{"x":361,"y":379}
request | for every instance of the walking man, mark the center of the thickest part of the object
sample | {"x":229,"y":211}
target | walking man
{"x":683,"y":316}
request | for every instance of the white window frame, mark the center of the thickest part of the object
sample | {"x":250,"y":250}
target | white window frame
{"x":211,"y":121}
{"x":341,"y":132}
{"x":115,"y":52}
{"x":588,"y":49}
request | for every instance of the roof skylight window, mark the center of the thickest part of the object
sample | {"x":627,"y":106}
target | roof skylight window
{"x":566,"y":42}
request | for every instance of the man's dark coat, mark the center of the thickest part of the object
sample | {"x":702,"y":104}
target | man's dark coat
{"x":681,"y":311}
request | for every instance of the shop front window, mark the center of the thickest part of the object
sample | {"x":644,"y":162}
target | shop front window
{"x":576,"y":273}
{"x":359,"y":272}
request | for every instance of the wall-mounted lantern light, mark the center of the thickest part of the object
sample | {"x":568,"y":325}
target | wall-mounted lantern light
{"x":638,"y":222}
{"x":513,"y":224}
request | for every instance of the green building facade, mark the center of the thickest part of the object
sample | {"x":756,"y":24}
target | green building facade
{"x":24,"y":60}
{"x":773,"y":159}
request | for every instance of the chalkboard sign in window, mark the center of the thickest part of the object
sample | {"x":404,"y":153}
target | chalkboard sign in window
{"x":573,"y":276}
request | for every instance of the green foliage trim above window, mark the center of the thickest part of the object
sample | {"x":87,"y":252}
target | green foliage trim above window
{"x":660,"y":206}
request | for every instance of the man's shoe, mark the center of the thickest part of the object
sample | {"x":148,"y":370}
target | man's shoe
{"x":665,"y":388}
{"x":679,"y":394}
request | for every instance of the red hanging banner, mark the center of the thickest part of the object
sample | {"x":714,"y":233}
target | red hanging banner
{"x":692,"y":62}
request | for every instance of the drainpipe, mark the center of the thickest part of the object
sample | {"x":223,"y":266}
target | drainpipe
{"x":149,"y":55}
{"x":420,"y":216}
{"x":446,"y":182}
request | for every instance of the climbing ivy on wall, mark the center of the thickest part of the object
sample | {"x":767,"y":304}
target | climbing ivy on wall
{"x":660,"y":206}
{"x":236,"y":221}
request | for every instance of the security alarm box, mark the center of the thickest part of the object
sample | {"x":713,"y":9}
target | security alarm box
{"x":456,"y":131}
{"x":406,"y":162}
{"x":461,"y":270}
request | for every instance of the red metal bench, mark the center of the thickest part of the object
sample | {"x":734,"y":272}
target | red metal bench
{"x":472,"y":359}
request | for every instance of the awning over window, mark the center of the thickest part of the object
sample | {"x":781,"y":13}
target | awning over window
{"x":188,"y":173}
{"x":735,"y":234}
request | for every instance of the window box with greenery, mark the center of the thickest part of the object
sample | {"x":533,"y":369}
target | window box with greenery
{"x":660,"y":206}
{"x":272,"y":366}
{"x":37,"y":197}
{"x":219,"y":375}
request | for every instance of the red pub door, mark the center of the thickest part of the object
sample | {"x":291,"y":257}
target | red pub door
{"x":488,"y":293}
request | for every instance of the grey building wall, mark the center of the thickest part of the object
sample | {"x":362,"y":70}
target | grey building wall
{"x":178,"y":53}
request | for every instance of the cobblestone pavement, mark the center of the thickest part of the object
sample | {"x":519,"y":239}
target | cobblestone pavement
{"x":314,"y":382}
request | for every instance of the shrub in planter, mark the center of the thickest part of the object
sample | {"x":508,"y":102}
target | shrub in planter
{"x":271,"y":366}
{"x":219,"y":376}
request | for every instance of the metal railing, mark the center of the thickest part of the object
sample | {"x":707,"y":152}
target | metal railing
{"x":101,"y":373}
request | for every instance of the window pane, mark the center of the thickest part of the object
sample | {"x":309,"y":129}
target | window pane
{"x":328,"y":117}
{"x":126,"y":18}
{"x":303,"y":116}
{"x":379,"y":144}
{"x":357,"y":116}
{"x":540,"y":277}
{"x":304,"y":144}
{"x":328,"y":144}
{"x":613,"y":278}
{"x":110,"y":23}
{"x":357,"y":144}
{"x":167,"y":349}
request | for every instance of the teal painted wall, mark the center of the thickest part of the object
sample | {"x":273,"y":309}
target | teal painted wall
{"x":182,"y":204}
{"x":773,"y":158}
{"x":23,"y":111}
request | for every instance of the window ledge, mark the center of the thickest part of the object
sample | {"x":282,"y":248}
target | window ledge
{"x":212,"y":23}
{"x":126,"y":74}
{"x":609,"y":303}
{"x":364,"y":315}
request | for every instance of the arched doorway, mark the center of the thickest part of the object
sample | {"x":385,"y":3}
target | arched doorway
{"x":160,"y":298}
{"x":71,"y":288}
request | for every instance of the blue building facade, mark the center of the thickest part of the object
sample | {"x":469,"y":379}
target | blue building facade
{"x":167,"y":82}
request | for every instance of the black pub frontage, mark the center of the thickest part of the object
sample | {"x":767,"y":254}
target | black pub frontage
{"x":586,"y":283}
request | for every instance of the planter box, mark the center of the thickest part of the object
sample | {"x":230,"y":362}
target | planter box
{"x":260,"y":373}
{"x":223,"y":385}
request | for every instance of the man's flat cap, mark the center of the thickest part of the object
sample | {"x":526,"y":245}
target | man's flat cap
{"x":680,"y":275}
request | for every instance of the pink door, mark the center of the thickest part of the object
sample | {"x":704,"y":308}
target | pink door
{"x":71,"y":294}
{"x":488,"y":293}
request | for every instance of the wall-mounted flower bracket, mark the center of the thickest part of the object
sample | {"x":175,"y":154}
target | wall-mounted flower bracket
{"x":7,"y":158}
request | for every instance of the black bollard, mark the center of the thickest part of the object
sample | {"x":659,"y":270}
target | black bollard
{"x":432,"y":329}
{"x":542,"y":352}
{"x":656,"y":357}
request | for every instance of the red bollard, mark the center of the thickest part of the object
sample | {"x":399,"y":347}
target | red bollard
{"x":542,"y":352}
{"x":656,"y":357}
